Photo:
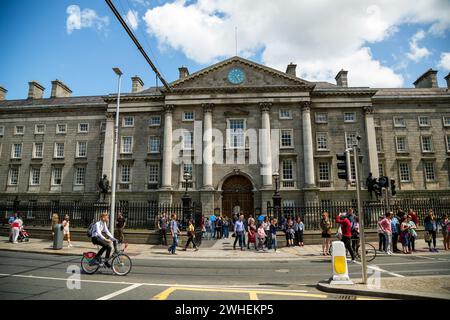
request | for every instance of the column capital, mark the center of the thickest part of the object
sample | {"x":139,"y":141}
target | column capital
{"x":369,"y":110}
{"x":168,"y":108}
{"x":305,"y":105}
{"x":265,"y":106}
{"x":110,"y":116}
{"x":208,"y":107}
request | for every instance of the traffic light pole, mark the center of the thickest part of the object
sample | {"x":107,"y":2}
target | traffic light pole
{"x":361,"y":216}
{"x":388,"y":206}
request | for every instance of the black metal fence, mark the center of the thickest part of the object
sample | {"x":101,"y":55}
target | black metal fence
{"x":312,"y":214}
{"x":139,"y":215}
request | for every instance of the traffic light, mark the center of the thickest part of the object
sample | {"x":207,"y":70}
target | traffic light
{"x":383,"y":182}
{"x":342,"y":165}
{"x":393,"y":192}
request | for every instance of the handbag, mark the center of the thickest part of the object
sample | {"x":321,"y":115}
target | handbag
{"x":427,"y":236}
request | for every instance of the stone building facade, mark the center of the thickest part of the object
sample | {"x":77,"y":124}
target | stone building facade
{"x":57,"y":149}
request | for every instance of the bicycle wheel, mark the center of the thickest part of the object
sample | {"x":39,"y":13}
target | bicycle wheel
{"x":86,"y":263}
{"x":371,"y":253}
{"x":121,"y":264}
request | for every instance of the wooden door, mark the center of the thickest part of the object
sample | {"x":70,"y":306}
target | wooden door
{"x":237,"y":190}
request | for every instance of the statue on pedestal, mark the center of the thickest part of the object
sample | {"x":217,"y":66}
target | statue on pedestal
{"x":103,"y":186}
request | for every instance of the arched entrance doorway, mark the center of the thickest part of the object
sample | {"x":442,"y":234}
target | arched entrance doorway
{"x":237,"y":190}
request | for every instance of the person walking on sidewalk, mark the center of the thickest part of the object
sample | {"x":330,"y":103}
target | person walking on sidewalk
{"x":226,"y":227}
{"x":273,"y":234}
{"x":251,"y":229}
{"x":404,"y":235}
{"x":346,"y":233}
{"x":55,"y":221}
{"x":445,"y":226}
{"x":10,"y":222}
{"x":299,"y":227}
{"x":325,"y":226}
{"x":66,"y":230}
{"x":395,"y":227}
{"x":430,"y":230}
{"x":191,"y":236}
{"x":355,"y":234}
{"x":219,"y":227}
{"x":387,"y":231}
{"x":381,"y":236}
{"x":161,"y":226}
{"x":412,"y":234}
{"x":16,"y":226}
{"x":121,"y":223}
{"x":174,"y":232}
{"x":266,"y":227}
{"x":239,"y":232}
{"x":261,"y":237}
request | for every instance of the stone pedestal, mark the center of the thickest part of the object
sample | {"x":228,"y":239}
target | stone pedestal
{"x":311,"y":196}
{"x":165,"y":197}
{"x":207,"y":200}
{"x":266,"y":196}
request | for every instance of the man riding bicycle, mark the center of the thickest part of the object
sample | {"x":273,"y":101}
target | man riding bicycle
{"x":98,"y":238}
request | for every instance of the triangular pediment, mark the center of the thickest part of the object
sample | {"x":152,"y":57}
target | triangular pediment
{"x":255,"y":75}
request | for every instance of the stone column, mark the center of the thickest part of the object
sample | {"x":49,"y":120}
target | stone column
{"x":167,"y":153}
{"x":308,"y":153}
{"x":371,"y":141}
{"x":108,"y":146}
{"x":265,"y":144}
{"x":207,"y":147}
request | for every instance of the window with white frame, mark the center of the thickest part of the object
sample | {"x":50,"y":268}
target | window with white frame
{"x":13,"y":176}
{"x":125,"y":173}
{"x":83,"y":127}
{"x":287,"y":170}
{"x":56,"y":176}
{"x":286,"y":137}
{"x":59,"y":150}
{"x":349,"y":116}
{"x":80,"y":176}
{"x":381,"y":169}
{"x":38,"y":150}
{"x":188,"y":115}
{"x":39,"y":129}
{"x":61,"y":128}
{"x":236,"y":133}
{"x":153,"y":173}
{"x":2,"y":131}
{"x":424,"y":121}
{"x":285,"y":114}
{"x":399,"y":122}
{"x":322,"y":141}
{"x":188,"y":140}
{"x":430,"y":171}
{"x":446,"y":121}
{"x":427,"y":144}
{"x":321,"y":117}
{"x":35,"y":176}
{"x":350,"y":139}
{"x":16,"y":151}
{"x":102,"y":127}
{"x":127,"y":145}
{"x":19,"y":130}
{"x":405,"y":174}
{"x":401,"y":144}
{"x":324,"y":171}
{"x":154,"y":121}
{"x":128,"y":121}
{"x":447,"y":140}
{"x":82,"y":149}
{"x":154,"y":144}
{"x":379,"y":142}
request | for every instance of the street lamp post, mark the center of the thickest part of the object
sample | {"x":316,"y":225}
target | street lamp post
{"x":114,"y":164}
{"x":187,"y":176}
{"x":276,"y":198}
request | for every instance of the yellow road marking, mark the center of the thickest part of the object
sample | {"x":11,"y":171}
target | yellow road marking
{"x":164,"y":294}
{"x":253,"y":295}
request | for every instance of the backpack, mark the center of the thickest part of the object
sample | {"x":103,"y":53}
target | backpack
{"x":90,"y":229}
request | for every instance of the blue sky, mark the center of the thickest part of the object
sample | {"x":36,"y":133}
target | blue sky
{"x":37,"y":45}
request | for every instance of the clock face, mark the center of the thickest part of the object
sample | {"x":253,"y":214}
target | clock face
{"x":236,"y":76}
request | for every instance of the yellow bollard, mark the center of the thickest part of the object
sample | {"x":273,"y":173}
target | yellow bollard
{"x":339,"y":264}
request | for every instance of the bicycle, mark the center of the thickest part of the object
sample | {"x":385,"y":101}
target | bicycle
{"x":120,"y":262}
{"x":371,"y":252}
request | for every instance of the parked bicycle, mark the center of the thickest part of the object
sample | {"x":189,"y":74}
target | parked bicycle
{"x":371,"y":252}
{"x":120,"y":262}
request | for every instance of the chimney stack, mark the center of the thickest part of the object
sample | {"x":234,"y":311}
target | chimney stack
{"x":427,"y":80}
{"x":35,"y":91}
{"x":184,"y":72}
{"x":3,"y":92}
{"x":291,"y":69}
{"x":341,"y":78}
{"x":137,"y":84}
{"x":60,"y":90}
{"x":447,"y":78}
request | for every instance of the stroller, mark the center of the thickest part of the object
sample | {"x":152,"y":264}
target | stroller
{"x":23,"y":236}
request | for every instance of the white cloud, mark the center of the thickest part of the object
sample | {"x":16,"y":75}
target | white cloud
{"x":132,"y":18}
{"x":416,"y":52}
{"x":445,"y":61}
{"x":86,"y":18}
{"x":320,"y":36}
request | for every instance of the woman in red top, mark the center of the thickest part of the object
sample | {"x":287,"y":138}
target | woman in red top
{"x":346,"y":228}
{"x":413,"y":216}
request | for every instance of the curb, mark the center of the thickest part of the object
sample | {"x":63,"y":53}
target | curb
{"x":400,"y":295}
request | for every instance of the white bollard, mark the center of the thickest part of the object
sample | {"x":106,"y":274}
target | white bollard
{"x":339,"y":264}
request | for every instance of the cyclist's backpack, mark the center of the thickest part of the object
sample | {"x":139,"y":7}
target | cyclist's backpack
{"x":90,"y":229}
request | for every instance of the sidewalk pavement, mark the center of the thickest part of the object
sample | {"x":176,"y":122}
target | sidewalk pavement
{"x":209,"y":250}
{"x":415,"y":288}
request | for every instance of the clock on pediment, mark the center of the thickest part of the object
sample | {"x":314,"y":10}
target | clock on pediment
{"x":236,"y":76}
